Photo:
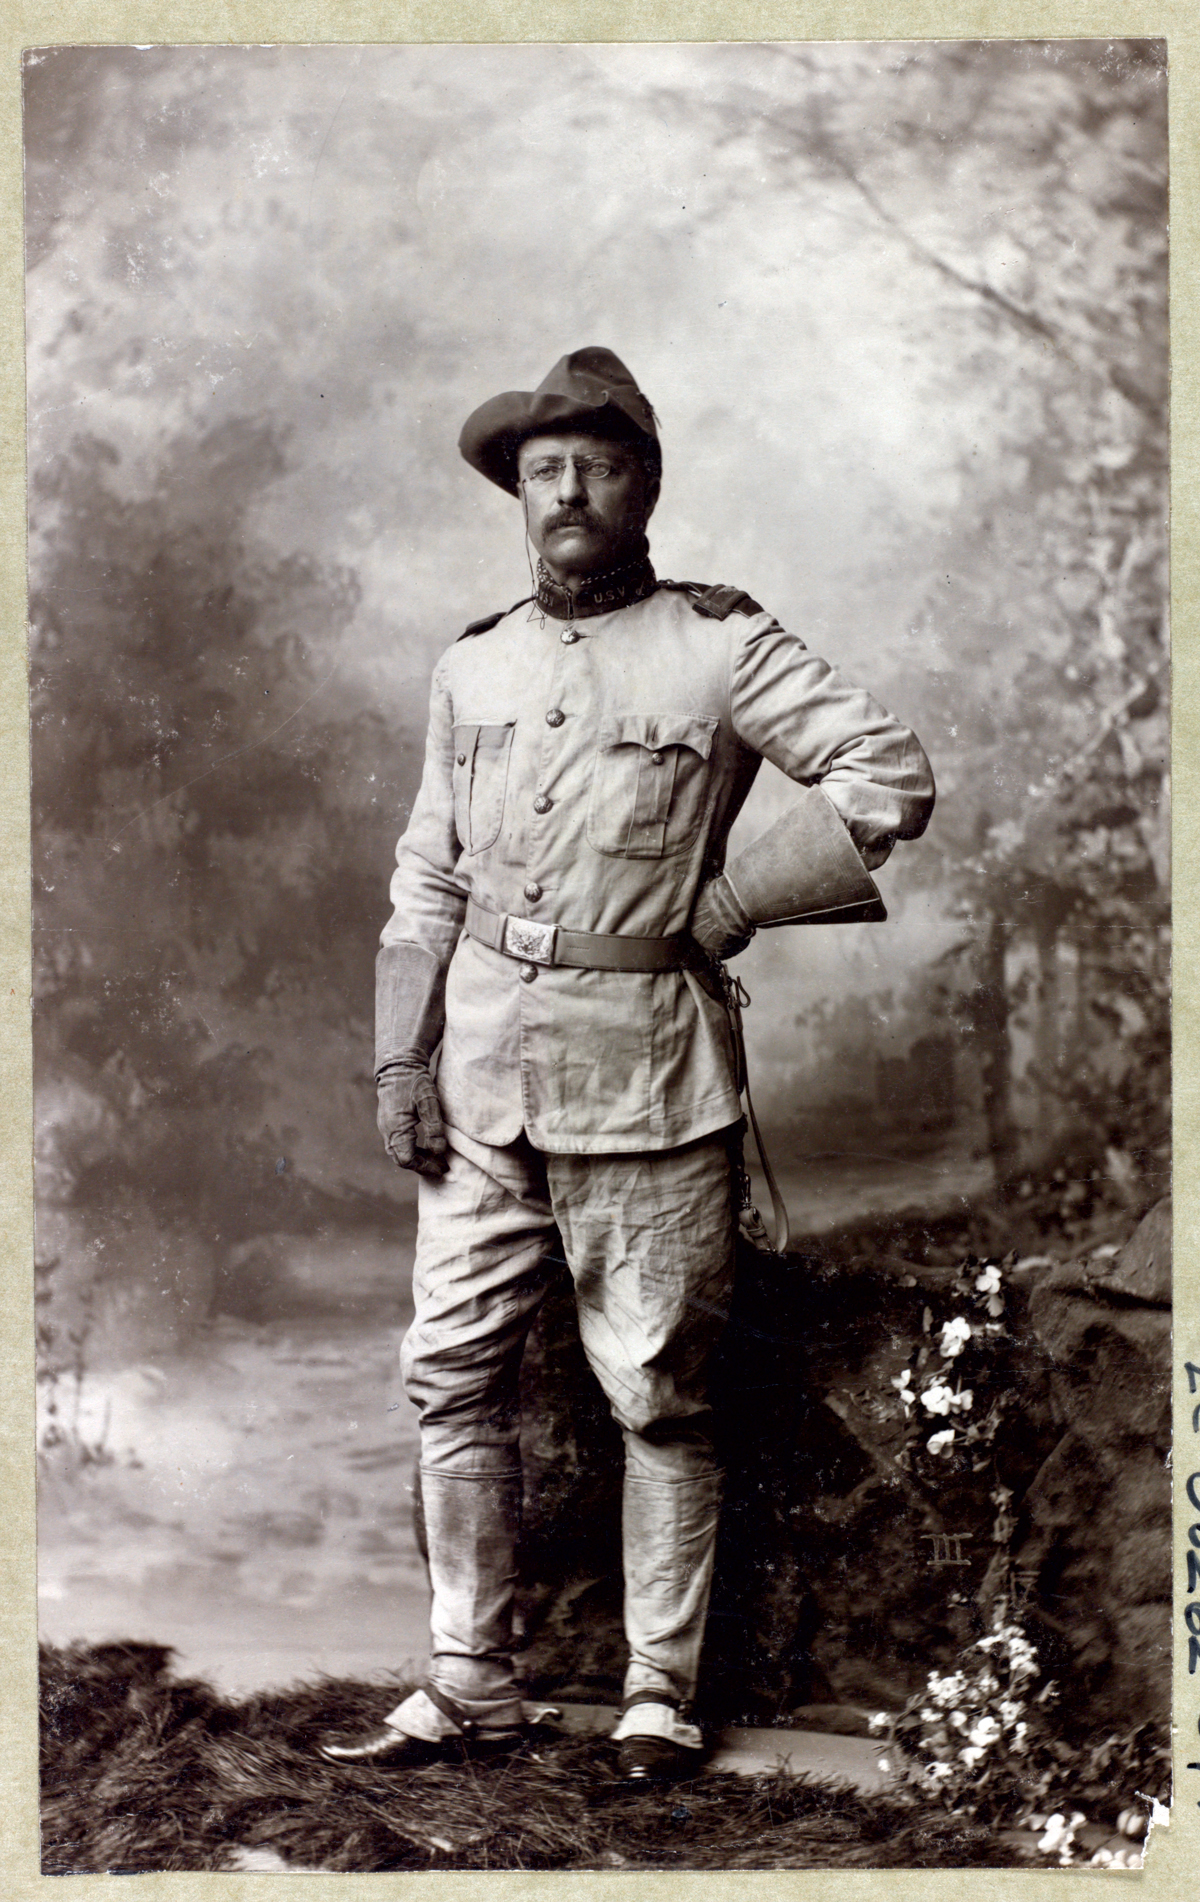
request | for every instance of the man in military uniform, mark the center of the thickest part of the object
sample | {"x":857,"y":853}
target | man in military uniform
{"x":560,"y":908}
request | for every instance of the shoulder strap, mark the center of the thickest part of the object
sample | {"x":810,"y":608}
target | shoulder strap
{"x":490,"y":620}
{"x":718,"y":603}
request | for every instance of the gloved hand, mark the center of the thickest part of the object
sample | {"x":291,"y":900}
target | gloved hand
{"x":804,"y":869}
{"x":719,"y":923}
{"x":410,"y":985}
{"x":410,"y":1121}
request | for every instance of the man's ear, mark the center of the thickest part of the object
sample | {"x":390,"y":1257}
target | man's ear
{"x":653,"y":488}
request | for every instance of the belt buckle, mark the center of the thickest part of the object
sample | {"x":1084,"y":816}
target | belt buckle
{"x":525,"y":938}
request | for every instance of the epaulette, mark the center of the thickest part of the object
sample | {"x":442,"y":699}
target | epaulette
{"x":491,"y":620}
{"x":716,"y":603}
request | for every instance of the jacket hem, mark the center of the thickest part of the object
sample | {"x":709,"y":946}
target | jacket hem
{"x":714,"y":1114}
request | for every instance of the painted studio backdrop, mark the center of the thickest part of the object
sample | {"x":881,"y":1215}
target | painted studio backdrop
{"x":901,"y":312}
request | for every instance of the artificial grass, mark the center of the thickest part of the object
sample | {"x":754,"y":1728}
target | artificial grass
{"x":141,"y":1773}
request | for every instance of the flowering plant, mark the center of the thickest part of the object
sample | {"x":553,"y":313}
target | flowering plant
{"x":950,"y":1385}
{"x":973,"y":1727}
{"x":980,"y":1739}
{"x":955,"y":1407}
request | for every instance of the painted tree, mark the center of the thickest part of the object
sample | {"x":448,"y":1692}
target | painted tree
{"x":1024,"y":189}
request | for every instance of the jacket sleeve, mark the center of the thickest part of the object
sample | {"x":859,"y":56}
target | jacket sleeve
{"x":428,"y":901}
{"x":796,"y":711}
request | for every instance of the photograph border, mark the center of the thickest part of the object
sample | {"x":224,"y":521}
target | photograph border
{"x":1172,"y":1859}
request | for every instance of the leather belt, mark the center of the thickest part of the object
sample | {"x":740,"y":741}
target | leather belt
{"x":537,"y":943}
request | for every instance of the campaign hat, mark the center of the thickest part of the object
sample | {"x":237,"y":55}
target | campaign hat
{"x":589,"y":391}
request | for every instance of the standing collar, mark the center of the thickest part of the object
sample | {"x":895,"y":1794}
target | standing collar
{"x":599,"y":594}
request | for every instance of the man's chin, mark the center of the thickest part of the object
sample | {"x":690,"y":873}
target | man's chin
{"x":578,"y":555}
{"x":575,"y":547}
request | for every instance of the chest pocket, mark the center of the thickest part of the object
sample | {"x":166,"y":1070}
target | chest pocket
{"x":649,"y":783}
{"x":481,"y":756}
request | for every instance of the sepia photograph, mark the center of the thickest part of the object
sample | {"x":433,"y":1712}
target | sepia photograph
{"x":600,"y":731}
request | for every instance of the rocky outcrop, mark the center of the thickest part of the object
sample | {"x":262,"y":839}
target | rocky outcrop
{"x":1097,"y":1515}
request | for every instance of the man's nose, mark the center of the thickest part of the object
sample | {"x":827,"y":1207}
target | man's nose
{"x":571,"y":486}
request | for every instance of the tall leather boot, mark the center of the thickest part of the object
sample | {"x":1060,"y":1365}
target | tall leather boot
{"x":669,"y":1541}
{"x":471,"y":1524}
{"x":469,"y":1700}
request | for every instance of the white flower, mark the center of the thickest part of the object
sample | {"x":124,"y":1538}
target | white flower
{"x":885,"y":1764}
{"x":902,"y":1384}
{"x":959,"y":1719}
{"x":1010,"y":1711}
{"x":946,"y":1690}
{"x":928,"y":1715}
{"x":937,"y":1397}
{"x":995,"y":1306}
{"x":1117,"y":1858}
{"x":989,"y":1281}
{"x":939,"y":1771}
{"x":970,"y":1756}
{"x":988,"y":1684}
{"x":879,"y":1721}
{"x":1060,"y":1834}
{"x":1056,"y":1832}
{"x":1066,"y":1851}
{"x":984,"y":1731}
{"x":962,"y":1400}
{"x":939,"y":1443}
{"x":955,"y":1335}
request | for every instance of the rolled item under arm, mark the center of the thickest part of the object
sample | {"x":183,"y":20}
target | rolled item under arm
{"x":805,"y":870}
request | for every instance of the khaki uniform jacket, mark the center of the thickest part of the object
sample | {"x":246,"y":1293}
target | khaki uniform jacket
{"x":586,"y":775}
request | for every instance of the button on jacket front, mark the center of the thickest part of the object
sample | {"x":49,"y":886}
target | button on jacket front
{"x":604,"y":773}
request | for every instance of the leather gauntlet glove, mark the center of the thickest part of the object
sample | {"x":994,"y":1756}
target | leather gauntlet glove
{"x":719,"y":923}
{"x":410,"y":1122}
{"x":410,"y":986}
{"x":805,"y":869}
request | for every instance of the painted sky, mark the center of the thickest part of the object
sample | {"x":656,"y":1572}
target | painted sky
{"x":367,"y":242}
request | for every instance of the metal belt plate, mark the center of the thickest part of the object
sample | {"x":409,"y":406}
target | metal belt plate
{"x":523,"y":938}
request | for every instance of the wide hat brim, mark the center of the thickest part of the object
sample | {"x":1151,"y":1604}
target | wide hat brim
{"x":589,"y":390}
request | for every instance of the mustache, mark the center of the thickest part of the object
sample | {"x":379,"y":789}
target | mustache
{"x":568,"y":518}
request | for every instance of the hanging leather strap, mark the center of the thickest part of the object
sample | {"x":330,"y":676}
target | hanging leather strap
{"x":736,"y":998}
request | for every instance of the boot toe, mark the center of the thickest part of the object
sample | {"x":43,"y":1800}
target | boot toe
{"x":656,"y":1760}
{"x":392,"y":1749}
{"x":382,"y":1749}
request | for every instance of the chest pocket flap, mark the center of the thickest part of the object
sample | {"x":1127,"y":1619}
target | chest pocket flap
{"x":650,"y":783}
{"x":481,"y":756}
{"x":693,"y":730}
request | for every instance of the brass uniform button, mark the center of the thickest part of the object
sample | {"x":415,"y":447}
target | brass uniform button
{"x":533,"y":893}
{"x":462,"y":759}
{"x":568,"y":637}
{"x":527,"y":973}
{"x":542,"y":804}
{"x":656,"y":759}
{"x":555,"y":717}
